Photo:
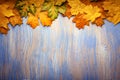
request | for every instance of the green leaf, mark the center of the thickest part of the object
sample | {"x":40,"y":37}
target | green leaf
{"x":32,"y":9}
{"x":53,"y":12}
{"x":47,"y":5}
{"x":59,"y":2}
{"x":62,"y":9}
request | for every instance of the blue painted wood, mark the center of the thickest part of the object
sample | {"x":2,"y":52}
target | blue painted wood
{"x":60,"y":52}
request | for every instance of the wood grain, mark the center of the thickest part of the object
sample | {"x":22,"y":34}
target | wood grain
{"x":60,"y":52}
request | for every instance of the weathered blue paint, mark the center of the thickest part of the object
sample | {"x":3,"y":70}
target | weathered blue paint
{"x":60,"y":52}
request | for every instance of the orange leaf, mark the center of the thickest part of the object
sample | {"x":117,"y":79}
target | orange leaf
{"x":68,"y":12}
{"x":45,"y":20}
{"x":3,"y":30}
{"x":16,"y":19}
{"x":32,"y":21}
{"x":80,"y":21}
{"x":99,"y":21}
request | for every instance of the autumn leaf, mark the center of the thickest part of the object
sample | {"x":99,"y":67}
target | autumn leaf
{"x":5,"y":11}
{"x":37,"y":3}
{"x":91,"y":13}
{"x":52,"y":9}
{"x":32,"y":21}
{"x":16,"y":19}
{"x":53,"y":12}
{"x":3,"y":30}
{"x":45,"y":20}
{"x":113,"y":11}
{"x":68,"y":12}
{"x":62,"y":9}
{"x":99,"y":21}
{"x":80,"y":21}
{"x":24,"y":7}
{"x":59,"y":2}
{"x":76,"y":6}
{"x":4,"y":22}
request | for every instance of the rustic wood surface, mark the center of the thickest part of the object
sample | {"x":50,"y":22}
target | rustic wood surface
{"x":60,"y":52}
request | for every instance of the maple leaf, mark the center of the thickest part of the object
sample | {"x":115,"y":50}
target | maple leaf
{"x":91,"y":13}
{"x":25,"y":7}
{"x":37,"y":3}
{"x":68,"y":12}
{"x":4,"y":22}
{"x":80,"y":21}
{"x":76,"y":6}
{"x":62,"y":9}
{"x":99,"y":21}
{"x":45,"y":20}
{"x":3,"y":30}
{"x":113,"y":12}
{"x":59,"y":2}
{"x":32,"y":21}
{"x":16,"y":19}
{"x":52,"y":9}
{"x":53,"y":12}
{"x":5,"y":11}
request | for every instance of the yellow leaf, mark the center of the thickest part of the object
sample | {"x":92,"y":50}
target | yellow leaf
{"x":45,"y":20}
{"x":113,"y":13}
{"x":76,"y":6}
{"x":32,"y":21}
{"x":92,"y":13}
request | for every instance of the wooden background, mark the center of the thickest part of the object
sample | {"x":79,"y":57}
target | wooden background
{"x":60,"y":52}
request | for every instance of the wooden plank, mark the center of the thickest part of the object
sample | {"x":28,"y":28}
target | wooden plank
{"x":61,"y":52}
